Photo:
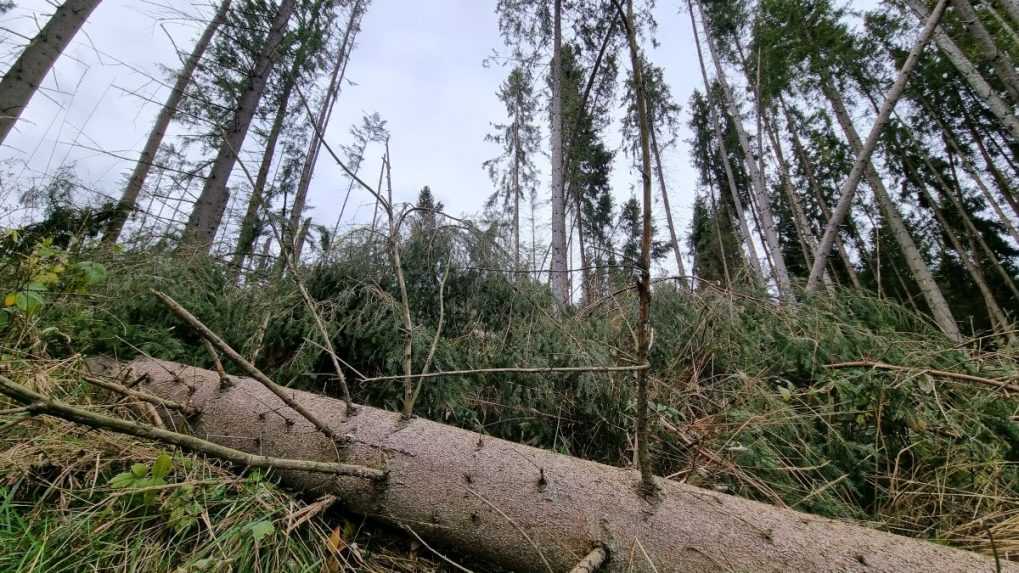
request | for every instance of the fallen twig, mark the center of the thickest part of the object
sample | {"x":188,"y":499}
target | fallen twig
{"x":539,"y":370}
{"x":592,"y":562}
{"x":139,"y":395}
{"x":942,"y":373}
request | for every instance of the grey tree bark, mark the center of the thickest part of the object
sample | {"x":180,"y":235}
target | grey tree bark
{"x":971,"y":74}
{"x":559,"y":277}
{"x":932,"y":294}
{"x":524,"y":508}
{"x":322,"y":121}
{"x":673,"y":236}
{"x":22,"y":80}
{"x":748,"y":238}
{"x":1003,"y":67}
{"x":208,"y":211}
{"x":756,"y":176}
{"x":141,"y":170}
{"x":863,"y":165}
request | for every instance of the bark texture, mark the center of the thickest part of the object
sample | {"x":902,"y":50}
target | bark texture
{"x":482,"y":495}
{"x":148,"y":155}
{"x":28,"y":72}
{"x":559,"y":276}
{"x":208,"y":212}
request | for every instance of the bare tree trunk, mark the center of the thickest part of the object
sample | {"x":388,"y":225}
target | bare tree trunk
{"x":971,"y":74}
{"x":863,"y":165}
{"x":560,"y":290}
{"x":246,"y":238}
{"x":914,"y":260}
{"x":748,"y":238}
{"x":990,"y":53}
{"x":516,"y":191}
{"x":322,"y":121}
{"x":28,"y":72}
{"x":808,"y":170}
{"x":756,"y":177}
{"x":673,"y":238}
{"x":148,"y":155}
{"x":528,"y":509}
{"x":1011,"y":7}
{"x":208,"y":212}
{"x":644,"y":323}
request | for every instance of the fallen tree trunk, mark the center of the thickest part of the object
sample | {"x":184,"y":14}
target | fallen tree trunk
{"x":525,"y":508}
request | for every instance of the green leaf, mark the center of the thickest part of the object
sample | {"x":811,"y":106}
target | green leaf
{"x":93,"y":272}
{"x":139,"y":470}
{"x":162,"y":466}
{"x":28,"y":302}
{"x":122,"y":480}
{"x":261,"y":529}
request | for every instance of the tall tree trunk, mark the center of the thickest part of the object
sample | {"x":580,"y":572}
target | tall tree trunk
{"x":807,"y":240}
{"x":914,"y":260}
{"x":246,"y":238}
{"x":748,"y":239}
{"x":322,"y":121}
{"x":808,"y":170}
{"x":673,"y":237}
{"x":516,"y":190}
{"x":644,"y":324}
{"x":148,"y":155}
{"x":966,"y":255}
{"x":1000,"y":181}
{"x":971,"y":74}
{"x":559,"y":278}
{"x":989,"y":51}
{"x":863,"y":165}
{"x":22,"y":80}
{"x":952,"y":141}
{"x":208,"y":212}
{"x":756,"y":176}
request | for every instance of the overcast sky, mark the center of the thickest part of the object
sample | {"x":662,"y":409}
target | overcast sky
{"x":417,"y":63}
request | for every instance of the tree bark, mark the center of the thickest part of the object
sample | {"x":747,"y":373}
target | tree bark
{"x":998,"y":59}
{"x":148,"y":155}
{"x":932,"y":294}
{"x":863,"y":166}
{"x":529,"y":509}
{"x":208,"y":211}
{"x":673,"y":237}
{"x":1011,"y":7}
{"x":559,"y":278}
{"x":20,"y":83}
{"x":971,"y":74}
{"x":315,"y":143}
{"x":752,"y":258}
{"x":756,"y":177}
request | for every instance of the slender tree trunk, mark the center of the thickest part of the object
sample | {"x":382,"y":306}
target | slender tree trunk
{"x":322,"y":121}
{"x":989,"y":52}
{"x":808,"y":170}
{"x":1000,"y":181}
{"x":971,"y":74}
{"x":559,"y":278}
{"x":952,"y":141}
{"x":965,"y":255}
{"x":22,"y":80}
{"x":807,"y":240}
{"x":914,"y":260}
{"x":673,"y":238}
{"x":516,"y":190}
{"x":1011,"y":7}
{"x":718,"y":236}
{"x":644,"y":324}
{"x":208,"y":212}
{"x":748,"y":238}
{"x":863,"y":165}
{"x":756,"y":177}
{"x":246,"y":238}
{"x":148,"y":155}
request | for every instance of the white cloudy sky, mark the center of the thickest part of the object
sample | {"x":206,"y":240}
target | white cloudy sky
{"x":417,"y":63}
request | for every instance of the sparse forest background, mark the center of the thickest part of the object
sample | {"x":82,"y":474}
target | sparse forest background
{"x":832,"y":330}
